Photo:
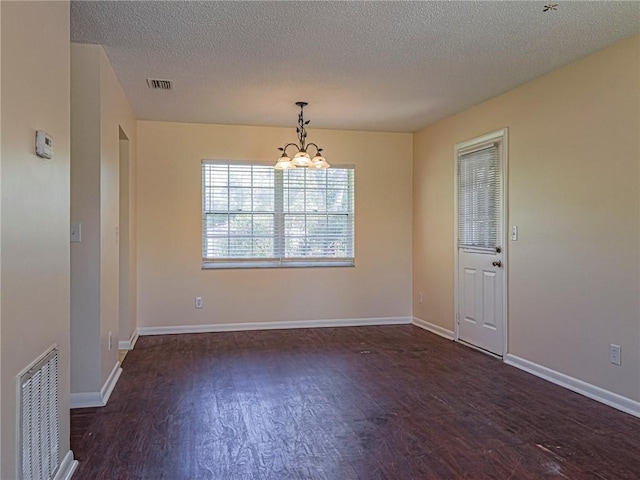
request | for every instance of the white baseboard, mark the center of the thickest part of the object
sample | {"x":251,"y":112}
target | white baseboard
{"x":571,"y":383}
{"x":129,"y":344}
{"x":236,"y":327}
{"x":85,"y":400}
{"x":437,"y":329}
{"x":67,"y":467}
{"x":109,"y":385}
{"x":97,"y":399}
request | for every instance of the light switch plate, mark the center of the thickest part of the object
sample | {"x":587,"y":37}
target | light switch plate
{"x":76,"y":232}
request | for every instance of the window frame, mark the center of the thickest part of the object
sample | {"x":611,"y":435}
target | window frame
{"x":279,"y":218}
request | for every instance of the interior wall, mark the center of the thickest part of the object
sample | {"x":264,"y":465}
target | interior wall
{"x":0,"y":233}
{"x":109,"y":221}
{"x":35,"y":205}
{"x":85,"y":209}
{"x":127,"y":309}
{"x":574,"y":190}
{"x":170,"y":229}
{"x":100,"y":112}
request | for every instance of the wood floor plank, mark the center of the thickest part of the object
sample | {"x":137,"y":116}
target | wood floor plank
{"x":364,"y":403}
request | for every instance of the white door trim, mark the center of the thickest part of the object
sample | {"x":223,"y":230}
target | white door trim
{"x":501,"y":135}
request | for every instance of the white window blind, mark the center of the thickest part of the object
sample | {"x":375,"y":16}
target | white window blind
{"x":255,"y":216}
{"x":479,"y":209}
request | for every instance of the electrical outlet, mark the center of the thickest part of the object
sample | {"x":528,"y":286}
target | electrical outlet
{"x":514,"y":233}
{"x":199,"y":303}
{"x":110,"y":341}
{"x":615,"y":354}
{"x":420,"y":297}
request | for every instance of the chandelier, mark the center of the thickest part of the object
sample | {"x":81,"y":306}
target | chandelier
{"x":302,"y":157}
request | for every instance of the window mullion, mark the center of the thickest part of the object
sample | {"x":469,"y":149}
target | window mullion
{"x":304,"y":210}
{"x":252,"y":213}
{"x":326,"y":213}
{"x":278,"y":216}
{"x":228,"y":210}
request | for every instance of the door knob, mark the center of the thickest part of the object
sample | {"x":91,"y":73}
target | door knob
{"x":497,"y":263}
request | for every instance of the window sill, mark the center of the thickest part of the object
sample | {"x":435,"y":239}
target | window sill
{"x":276,"y":264}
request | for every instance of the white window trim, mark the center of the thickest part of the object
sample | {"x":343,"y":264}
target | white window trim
{"x":276,"y":264}
{"x":298,"y":262}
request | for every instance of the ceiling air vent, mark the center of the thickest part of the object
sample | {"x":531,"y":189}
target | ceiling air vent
{"x":158,"y":84}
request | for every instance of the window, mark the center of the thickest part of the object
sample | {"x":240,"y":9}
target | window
{"x":479,"y":206}
{"x":256,"y":216}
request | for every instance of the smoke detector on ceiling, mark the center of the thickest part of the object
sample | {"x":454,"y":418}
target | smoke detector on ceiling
{"x":159,"y":84}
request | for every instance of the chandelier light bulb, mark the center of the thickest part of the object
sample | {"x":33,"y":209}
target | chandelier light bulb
{"x":302,"y":159}
{"x":319,"y":162}
{"x":284,"y":163}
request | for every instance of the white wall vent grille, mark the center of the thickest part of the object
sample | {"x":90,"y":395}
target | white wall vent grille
{"x":158,"y":84}
{"x":38,"y":431}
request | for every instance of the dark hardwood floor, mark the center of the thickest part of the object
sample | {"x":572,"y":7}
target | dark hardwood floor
{"x":368,"y":403}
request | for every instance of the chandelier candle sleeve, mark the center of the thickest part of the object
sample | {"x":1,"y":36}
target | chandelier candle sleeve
{"x":301,"y":158}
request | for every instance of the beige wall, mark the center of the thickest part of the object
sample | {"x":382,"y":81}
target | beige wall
{"x":115,"y":114}
{"x":128,"y":235}
{"x":169,"y":231}
{"x":85,"y":209}
{"x":574,"y":189}
{"x":99,"y":111}
{"x":1,"y":428}
{"x":1,"y":455}
{"x":35,"y":205}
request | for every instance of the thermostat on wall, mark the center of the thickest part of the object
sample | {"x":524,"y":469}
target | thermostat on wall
{"x":44,"y":144}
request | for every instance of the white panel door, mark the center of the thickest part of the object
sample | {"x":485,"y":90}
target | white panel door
{"x":480,"y":221}
{"x":480,"y":294}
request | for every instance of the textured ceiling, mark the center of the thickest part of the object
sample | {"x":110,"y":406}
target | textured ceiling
{"x":368,"y":65}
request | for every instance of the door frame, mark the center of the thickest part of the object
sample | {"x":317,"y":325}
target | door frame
{"x":501,"y":135}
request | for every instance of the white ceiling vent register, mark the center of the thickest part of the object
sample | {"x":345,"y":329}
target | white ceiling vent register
{"x":39,"y":432}
{"x":159,"y":84}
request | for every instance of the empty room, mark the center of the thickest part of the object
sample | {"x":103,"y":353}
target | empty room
{"x":319,"y":240}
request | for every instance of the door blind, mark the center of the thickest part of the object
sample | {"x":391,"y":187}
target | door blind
{"x":479,"y":209}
